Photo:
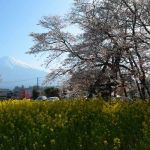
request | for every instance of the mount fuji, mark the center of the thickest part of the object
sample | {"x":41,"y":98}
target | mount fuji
{"x":14,"y":72}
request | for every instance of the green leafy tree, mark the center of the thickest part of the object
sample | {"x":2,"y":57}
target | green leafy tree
{"x":35,"y":93}
{"x":51,"y":91}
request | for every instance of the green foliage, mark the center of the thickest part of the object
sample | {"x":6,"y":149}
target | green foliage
{"x":35,"y":92}
{"x":51,"y":91}
{"x":74,"y":125}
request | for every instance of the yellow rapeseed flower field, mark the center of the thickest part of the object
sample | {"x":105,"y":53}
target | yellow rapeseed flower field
{"x":74,"y":125}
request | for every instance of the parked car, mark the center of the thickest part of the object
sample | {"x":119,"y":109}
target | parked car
{"x":53,"y":98}
{"x":41,"y":98}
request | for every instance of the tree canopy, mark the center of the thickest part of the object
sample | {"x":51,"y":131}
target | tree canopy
{"x":112,"y":50}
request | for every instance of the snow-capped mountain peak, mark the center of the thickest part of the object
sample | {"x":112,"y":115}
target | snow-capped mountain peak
{"x":17,"y":73}
{"x":14,"y":72}
{"x":11,"y":62}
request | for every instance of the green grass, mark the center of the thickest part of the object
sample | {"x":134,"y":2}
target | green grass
{"x":74,"y":125}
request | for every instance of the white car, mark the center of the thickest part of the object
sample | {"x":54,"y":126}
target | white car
{"x":41,"y":98}
{"x":53,"y":98}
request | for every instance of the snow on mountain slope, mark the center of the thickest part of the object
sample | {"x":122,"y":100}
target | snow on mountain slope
{"x":11,"y":62}
{"x":17,"y":73}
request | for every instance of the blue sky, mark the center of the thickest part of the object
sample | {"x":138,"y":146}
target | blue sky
{"x":19,"y":18}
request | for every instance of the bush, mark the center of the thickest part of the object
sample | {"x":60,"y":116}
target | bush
{"x":51,"y":92}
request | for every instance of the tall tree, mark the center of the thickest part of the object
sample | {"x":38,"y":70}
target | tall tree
{"x":114,"y":41}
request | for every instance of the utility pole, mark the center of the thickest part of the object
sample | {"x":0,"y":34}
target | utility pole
{"x":37,"y":83}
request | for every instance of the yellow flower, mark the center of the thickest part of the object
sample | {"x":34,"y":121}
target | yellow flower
{"x":53,"y":141}
{"x":105,"y":142}
{"x":51,"y":129}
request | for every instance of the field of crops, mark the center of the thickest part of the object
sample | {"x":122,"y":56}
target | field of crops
{"x":74,"y":125}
